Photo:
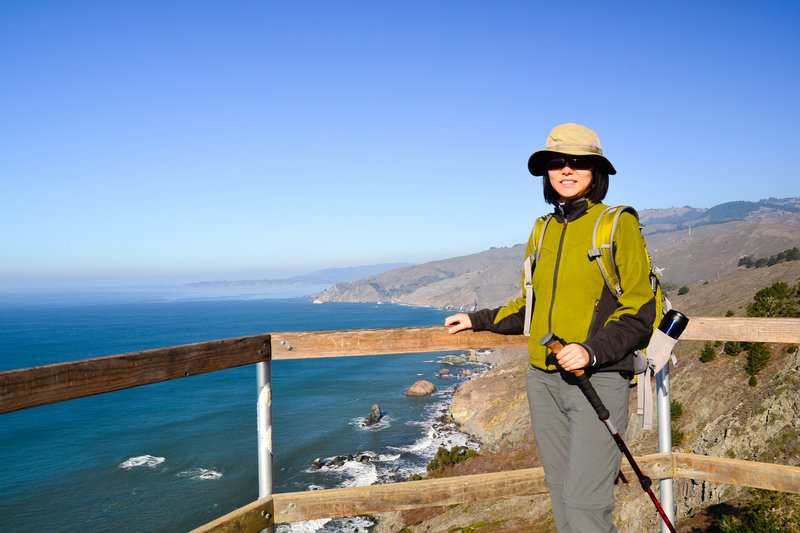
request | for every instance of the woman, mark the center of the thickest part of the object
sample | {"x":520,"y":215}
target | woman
{"x":571,"y":300}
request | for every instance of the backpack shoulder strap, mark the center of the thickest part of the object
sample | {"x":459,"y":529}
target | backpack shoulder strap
{"x":538,"y":236}
{"x":603,"y":245}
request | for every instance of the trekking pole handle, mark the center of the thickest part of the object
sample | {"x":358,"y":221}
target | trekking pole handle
{"x":555,"y":344}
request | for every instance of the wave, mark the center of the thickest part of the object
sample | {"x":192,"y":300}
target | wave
{"x":148,"y":461}
{"x":353,"y":524}
{"x":200,"y":474}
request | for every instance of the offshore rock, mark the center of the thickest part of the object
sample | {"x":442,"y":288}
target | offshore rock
{"x":453,"y":360}
{"x":374,"y":416}
{"x":421,"y":388}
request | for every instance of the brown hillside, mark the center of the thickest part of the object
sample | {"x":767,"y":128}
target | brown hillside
{"x":492,"y":278}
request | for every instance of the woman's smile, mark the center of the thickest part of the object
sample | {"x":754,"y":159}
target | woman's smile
{"x":569,"y":183}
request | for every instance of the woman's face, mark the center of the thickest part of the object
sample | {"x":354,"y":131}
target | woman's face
{"x":570,"y":183}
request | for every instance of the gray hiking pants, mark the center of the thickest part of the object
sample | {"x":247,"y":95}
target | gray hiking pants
{"x":579,"y":455}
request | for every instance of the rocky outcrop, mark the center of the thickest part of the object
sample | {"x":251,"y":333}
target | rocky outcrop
{"x":421,"y":388}
{"x":374,"y":416}
{"x":493,"y":407}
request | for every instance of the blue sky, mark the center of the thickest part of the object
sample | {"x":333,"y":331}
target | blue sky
{"x":163,"y":142}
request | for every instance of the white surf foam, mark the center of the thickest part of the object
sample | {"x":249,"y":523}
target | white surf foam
{"x":394,"y":464}
{"x":360,"y":423}
{"x":148,"y":461}
{"x":200,"y":474}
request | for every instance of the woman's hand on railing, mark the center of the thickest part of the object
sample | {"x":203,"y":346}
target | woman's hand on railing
{"x":458,"y":322}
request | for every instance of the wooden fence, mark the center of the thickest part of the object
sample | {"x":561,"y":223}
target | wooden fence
{"x":30,"y":387}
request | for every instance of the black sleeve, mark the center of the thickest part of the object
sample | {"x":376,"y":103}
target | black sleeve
{"x":509,"y":324}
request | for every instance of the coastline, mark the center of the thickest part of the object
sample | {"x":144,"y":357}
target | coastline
{"x":492,"y":409}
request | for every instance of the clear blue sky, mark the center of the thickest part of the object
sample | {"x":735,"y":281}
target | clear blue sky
{"x":150,"y":142}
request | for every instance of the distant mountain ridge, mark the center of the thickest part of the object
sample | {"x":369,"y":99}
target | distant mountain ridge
{"x":328,"y":275}
{"x":677,"y":218}
{"x":690,"y":244}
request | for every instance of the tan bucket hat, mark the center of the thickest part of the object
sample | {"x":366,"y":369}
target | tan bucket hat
{"x":570,"y":139}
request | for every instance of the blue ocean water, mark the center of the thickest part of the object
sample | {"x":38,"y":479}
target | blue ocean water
{"x":175,"y":455}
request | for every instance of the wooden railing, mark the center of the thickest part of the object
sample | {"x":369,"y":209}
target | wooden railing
{"x":375,"y":499}
{"x":30,"y":387}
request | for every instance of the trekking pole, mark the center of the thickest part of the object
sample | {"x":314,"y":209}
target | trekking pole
{"x":555,"y":344}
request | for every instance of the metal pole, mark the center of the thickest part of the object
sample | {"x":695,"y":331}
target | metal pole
{"x":663,"y":406}
{"x":264,"y":423}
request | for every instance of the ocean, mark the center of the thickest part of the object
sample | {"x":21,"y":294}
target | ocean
{"x":175,"y":455}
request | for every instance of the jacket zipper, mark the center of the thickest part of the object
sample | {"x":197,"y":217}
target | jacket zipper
{"x":555,"y":277}
{"x":595,"y":316}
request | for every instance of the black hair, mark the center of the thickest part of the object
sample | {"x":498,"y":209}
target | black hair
{"x":597,"y":190}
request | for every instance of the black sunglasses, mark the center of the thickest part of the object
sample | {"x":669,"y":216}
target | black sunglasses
{"x":575,"y":163}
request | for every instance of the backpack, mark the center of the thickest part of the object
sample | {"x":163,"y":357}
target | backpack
{"x":648,"y":361}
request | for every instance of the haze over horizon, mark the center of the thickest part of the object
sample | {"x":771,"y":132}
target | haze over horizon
{"x":172,"y":143}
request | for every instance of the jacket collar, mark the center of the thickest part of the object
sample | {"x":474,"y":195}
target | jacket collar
{"x":571,"y":210}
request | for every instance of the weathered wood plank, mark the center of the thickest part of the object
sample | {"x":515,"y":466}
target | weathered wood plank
{"x":52,"y":383}
{"x":309,"y":505}
{"x":251,"y":518}
{"x":308,"y":344}
{"x":656,"y":466}
{"x":29,"y":387}
{"x":737,"y":472}
{"x":783,"y":330}
{"x":374,"y":499}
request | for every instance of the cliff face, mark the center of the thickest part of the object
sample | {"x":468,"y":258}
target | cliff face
{"x":723,"y":417}
{"x":494,"y":407}
{"x":761,"y":425}
{"x":463,"y":283}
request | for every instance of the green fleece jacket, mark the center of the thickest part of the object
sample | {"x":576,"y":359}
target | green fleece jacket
{"x":571,"y":299}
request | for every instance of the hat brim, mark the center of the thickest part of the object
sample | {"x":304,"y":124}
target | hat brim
{"x":537,"y":163}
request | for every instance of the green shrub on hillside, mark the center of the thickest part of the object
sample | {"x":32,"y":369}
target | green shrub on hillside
{"x":675,"y":412}
{"x":777,"y":300}
{"x":757,"y":358}
{"x":732,"y":348}
{"x":792,"y":254}
{"x":445,"y":459}
{"x":668,"y":287}
{"x":769,"y":511}
{"x":683,"y":290}
{"x":708,"y":353}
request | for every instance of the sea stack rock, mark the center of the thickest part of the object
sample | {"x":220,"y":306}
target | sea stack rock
{"x":421,"y":388}
{"x":374,"y":416}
